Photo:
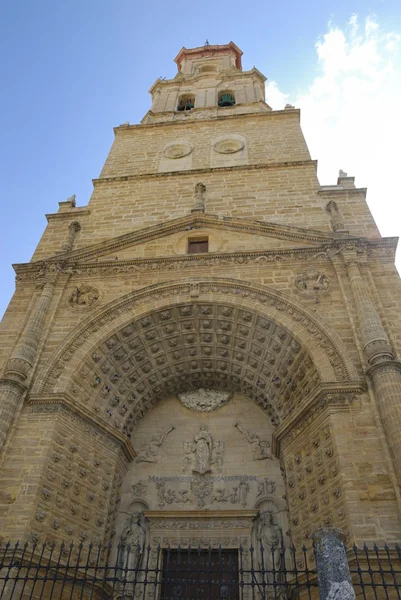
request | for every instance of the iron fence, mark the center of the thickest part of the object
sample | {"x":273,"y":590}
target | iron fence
{"x":376,"y":572}
{"x":34,"y":571}
{"x":49,"y":572}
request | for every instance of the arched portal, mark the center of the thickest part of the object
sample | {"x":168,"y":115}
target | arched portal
{"x":195,"y":345}
{"x":125,"y":366}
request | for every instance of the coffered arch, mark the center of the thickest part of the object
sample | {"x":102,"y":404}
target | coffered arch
{"x":216,"y":333}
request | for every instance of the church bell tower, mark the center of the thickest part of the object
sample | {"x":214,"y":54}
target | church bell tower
{"x":208,"y":350}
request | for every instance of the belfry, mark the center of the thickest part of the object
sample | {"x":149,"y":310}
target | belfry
{"x":206,"y":355}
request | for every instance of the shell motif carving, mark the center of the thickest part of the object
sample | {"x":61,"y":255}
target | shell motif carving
{"x":204,"y":400}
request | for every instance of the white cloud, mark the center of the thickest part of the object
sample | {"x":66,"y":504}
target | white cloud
{"x":350,"y":113}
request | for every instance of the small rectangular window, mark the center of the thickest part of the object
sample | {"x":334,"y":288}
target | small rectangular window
{"x":198,"y":246}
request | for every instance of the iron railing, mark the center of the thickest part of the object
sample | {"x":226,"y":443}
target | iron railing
{"x":34,"y":571}
{"x":376,"y":572}
{"x":42,"y":571}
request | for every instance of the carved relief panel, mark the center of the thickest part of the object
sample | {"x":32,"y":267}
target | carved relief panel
{"x":204,"y":451}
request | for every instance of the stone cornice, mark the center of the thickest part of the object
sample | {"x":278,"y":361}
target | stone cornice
{"x":334,"y":394}
{"x":64,"y":400}
{"x":200,"y":514}
{"x":344,"y":191}
{"x":195,"y":172}
{"x":231,"y":74}
{"x":68,"y":266}
{"x":270,"y":113}
{"x":73,"y":213}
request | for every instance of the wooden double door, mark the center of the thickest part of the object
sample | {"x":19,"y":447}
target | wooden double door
{"x":200,"y":575}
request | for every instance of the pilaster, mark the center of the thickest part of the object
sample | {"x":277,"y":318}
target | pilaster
{"x":384,"y":371}
{"x":21,"y":361}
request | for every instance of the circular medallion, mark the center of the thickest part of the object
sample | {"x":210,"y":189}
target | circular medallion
{"x":177,"y":149}
{"x":203,"y":400}
{"x":229,"y":145}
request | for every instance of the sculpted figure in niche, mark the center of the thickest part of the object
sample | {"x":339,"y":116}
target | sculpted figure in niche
{"x":132,"y":543}
{"x":150,"y":453}
{"x":202,"y":448}
{"x":259,"y":447}
{"x":199,"y":205}
{"x":270,"y":536}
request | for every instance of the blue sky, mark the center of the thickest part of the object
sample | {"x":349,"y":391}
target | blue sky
{"x":73,"y":70}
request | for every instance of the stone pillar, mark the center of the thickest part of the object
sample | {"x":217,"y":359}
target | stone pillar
{"x":384,"y":371}
{"x":336,"y":218}
{"x":22,"y":359}
{"x":68,"y":244}
{"x":332,"y":566}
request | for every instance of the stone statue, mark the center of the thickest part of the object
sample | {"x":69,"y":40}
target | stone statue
{"x":150,"y":453}
{"x":243,"y":491}
{"x":199,"y":205}
{"x":132,"y":543}
{"x":270,"y":536}
{"x":259,"y":447}
{"x":202,"y":448}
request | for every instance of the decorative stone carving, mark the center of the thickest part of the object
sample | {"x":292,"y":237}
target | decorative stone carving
{"x":203,"y":400}
{"x":200,"y":190}
{"x":335,"y":214}
{"x":132,"y":542}
{"x":83,"y":296}
{"x":202,"y":448}
{"x":150,"y":453}
{"x":202,"y":490}
{"x":251,"y":295}
{"x":139,"y":488}
{"x":177,"y":149}
{"x":236,"y":495}
{"x":312,"y":283}
{"x":266,"y":487}
{"x":202,"y":454}
{"x":228,"y":144}
{"x":259,"y":446}
{"x":270,"y":536}
{"x":169,"y":496}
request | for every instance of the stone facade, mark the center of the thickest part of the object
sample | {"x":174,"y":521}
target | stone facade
{"x":205,"y":390}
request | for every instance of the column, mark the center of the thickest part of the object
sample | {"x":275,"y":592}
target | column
{"x":337,"y":221}
{"x":13,"y":385}
{"x":332,"y":566}
{"x":384,"y":371}
{"x":68,"y":244}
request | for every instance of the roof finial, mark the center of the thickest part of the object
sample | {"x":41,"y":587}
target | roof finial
{"x":207,"y":42}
